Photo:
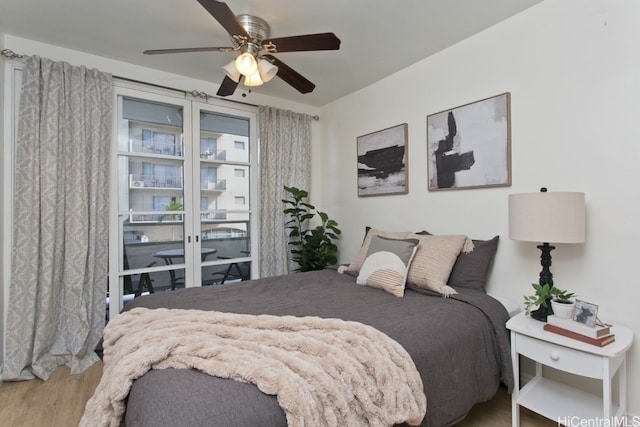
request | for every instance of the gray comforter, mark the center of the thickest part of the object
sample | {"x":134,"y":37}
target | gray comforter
{"x":459,"y":345}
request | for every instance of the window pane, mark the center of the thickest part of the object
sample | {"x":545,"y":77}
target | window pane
{"x":224,"y":138}
{"x":151,"y":184}
{"x":231,"y":240}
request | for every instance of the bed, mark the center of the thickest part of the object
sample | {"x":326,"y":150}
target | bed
{"x":459,"y":345}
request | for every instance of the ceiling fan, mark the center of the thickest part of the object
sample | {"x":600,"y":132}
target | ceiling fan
{"x":256,"y":63}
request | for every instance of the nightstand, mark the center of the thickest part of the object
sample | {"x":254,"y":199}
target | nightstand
{"x":558,"y":401}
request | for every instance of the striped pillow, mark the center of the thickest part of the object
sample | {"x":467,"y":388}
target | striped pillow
{"x":434,"y":260}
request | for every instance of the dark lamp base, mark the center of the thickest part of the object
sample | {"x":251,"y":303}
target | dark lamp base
{"x":542,"y":312}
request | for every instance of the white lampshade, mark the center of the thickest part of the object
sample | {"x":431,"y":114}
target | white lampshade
{"x":547,"y":217}
{"x":267,"y":70}
{"x":231,"y":71}
{"x":253,"y":80}
{"x":246,"y":64}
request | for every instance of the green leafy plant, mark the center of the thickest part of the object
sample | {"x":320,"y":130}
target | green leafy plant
{"x":312,"y":248}
{"x":543,"y":296}
{"x":561,"y":295}
{"x":173,"y":205}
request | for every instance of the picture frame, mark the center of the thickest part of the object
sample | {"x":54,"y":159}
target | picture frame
{"x":586,"y":313}
{"x":382,"y":162}
{"x":470,"y":146}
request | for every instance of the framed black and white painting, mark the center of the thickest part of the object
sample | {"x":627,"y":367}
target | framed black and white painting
{"x":382,"y":162}
{"x":470,"y":146}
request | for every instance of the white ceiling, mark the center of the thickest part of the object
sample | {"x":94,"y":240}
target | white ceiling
{"x":378,"y":37}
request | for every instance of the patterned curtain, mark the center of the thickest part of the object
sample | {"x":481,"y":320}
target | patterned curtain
{"x":60,"y":238}
{"x":285,"y":159}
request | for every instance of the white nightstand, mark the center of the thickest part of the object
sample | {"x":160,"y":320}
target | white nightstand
{"x":558,"y":401}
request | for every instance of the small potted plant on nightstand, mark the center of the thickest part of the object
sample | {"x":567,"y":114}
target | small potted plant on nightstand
{"x":562,"y":304}
{"x":543,"y":299}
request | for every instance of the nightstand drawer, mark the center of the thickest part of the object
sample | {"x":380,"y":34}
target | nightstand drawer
{"x":559,"y":357}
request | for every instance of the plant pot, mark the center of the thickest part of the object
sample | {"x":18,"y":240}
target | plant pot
{"x":563,"y":310}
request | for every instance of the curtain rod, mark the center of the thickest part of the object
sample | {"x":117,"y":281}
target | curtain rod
{"x":8,"y":53}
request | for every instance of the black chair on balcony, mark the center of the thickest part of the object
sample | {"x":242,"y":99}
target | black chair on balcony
{"x":144,"y":281}
{"x":234,"y":271}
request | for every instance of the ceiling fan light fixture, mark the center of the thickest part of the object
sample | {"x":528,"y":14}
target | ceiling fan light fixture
{"x":246,"y":64}
{"x":253,"y":79}
{"x":232,"y":72}
{"x":267,"y":70}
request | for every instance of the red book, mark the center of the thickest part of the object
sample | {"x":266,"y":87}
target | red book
{"x":600,"y":342}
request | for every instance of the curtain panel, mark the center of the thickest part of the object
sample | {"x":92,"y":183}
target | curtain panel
{"x":285,"y":159}
{"x":60,"y":250}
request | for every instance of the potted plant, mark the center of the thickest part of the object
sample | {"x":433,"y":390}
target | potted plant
{"x":562,"y":303}
{"x":312,"y":248}
{"x":542,"y":298}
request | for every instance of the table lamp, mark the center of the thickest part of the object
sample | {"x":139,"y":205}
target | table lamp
{"x":547,"y":217}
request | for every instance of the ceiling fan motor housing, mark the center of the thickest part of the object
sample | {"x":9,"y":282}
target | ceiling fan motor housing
{"x":257,"y":28}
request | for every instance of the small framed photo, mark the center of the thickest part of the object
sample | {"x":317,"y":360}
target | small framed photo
{"x":586,"y":313}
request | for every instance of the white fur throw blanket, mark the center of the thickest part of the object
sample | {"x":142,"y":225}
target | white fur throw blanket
{"x":325,"y":372}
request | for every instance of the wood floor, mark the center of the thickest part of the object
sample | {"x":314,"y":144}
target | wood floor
{"x":59,"y":402}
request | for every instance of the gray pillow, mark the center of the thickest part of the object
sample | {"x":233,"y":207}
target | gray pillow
{"x":471,"y":269}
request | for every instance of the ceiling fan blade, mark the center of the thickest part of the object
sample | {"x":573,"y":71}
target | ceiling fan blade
{"x":227,"y":87}
{"x":321,"y":41}
{"x":225,"y":17}
{"x":291,"y":76}
{"x":188,"y":49}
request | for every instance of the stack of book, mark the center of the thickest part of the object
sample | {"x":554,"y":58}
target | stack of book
{"x":598,"y":335}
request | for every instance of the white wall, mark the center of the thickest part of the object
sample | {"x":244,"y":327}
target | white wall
{"x":573,"y":70}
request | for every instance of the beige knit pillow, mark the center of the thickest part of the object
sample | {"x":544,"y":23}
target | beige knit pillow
{"x":357,"y":262}
{"x":434,"y":260}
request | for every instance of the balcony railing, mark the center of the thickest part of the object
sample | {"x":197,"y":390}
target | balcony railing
{"x":220,"y":184}
{"x":155,"y":147}
{"x":214,"y":216}
{"x":215,"y":155}
{"x":163,"y":217}
{"x":153,"y":181}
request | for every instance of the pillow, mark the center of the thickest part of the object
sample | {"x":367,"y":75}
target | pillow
{"x":471,"y":269}
{"x":387,"y":264}
{"x":434,"y":260}
{"x":357,"y":262}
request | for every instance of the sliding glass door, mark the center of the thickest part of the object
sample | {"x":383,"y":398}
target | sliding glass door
{"x":224,"y":158}
{"x":184,"y":194}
